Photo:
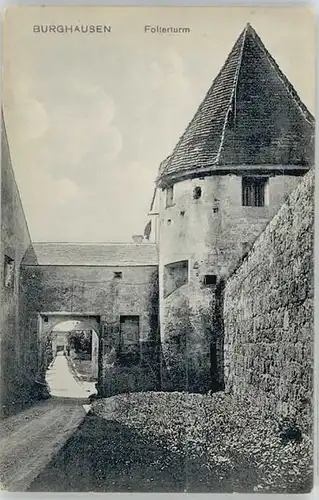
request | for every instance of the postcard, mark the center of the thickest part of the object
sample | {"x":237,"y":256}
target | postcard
{"x":157,"y":232}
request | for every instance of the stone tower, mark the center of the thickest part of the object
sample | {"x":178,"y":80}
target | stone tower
{"x":243,"y":152}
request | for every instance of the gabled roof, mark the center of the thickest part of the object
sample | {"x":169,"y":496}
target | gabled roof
{"x":251,"y":115}
{"x":92,"y":254}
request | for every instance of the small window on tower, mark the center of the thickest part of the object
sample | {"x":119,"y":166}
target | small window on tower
{"x":118,"y":274}
{"x":253,"y":191}
{"x":169,"y":196}
{"x":210,"y":279}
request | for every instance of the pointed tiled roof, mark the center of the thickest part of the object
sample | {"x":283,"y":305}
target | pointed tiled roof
{"x":251,"y":115}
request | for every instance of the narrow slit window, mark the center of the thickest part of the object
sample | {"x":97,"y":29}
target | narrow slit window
{"x":253,"y":191}
{"x":197,"y":193}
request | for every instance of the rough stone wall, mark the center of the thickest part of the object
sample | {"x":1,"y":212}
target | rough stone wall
{"x":96,"y":291}
{"x":268,"y":313}
{"x":209,"y":232}
{"x":18,"y":357}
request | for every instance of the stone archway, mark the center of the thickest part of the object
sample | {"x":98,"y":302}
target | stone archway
{"x":47,"y":321}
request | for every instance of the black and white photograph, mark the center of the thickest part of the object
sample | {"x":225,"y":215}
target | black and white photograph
{"x":157,"y":241}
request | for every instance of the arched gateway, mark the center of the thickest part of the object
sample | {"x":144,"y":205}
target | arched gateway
{"x":110,"y":288}
{"x":49,"y":337}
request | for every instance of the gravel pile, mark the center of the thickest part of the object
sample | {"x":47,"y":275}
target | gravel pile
{"x":232,"y":442}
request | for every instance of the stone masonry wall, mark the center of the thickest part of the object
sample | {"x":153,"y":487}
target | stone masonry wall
{"x":18,"y":348}
{"x":268,"y":313}
{"x":94,"y":290}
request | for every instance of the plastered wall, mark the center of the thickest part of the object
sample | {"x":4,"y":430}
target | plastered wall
{"x":209,"y":232}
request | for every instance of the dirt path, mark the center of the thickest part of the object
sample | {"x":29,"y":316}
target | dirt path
{"x":104,"y":456}
{"x":29,"y":440}
{"x":62,"y":383}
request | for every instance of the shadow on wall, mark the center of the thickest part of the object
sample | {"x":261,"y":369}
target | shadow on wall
{"x":174,"y":363}
{"x":192,"y":356}
{"x":217,"y":346}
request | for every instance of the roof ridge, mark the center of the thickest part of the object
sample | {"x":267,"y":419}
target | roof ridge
{"x":284,"y":80}
{"x":199,"y":109}
{"x":233,"y":93}
{"x":91,"y":243}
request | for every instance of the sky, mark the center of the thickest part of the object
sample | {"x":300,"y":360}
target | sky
{"x":66,"y":326}
{"x":89,"y":117}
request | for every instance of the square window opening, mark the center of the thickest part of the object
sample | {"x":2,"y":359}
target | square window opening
{"x":253,"y":191}
{"x":210,"y":279}
{"x":118,"y":274}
